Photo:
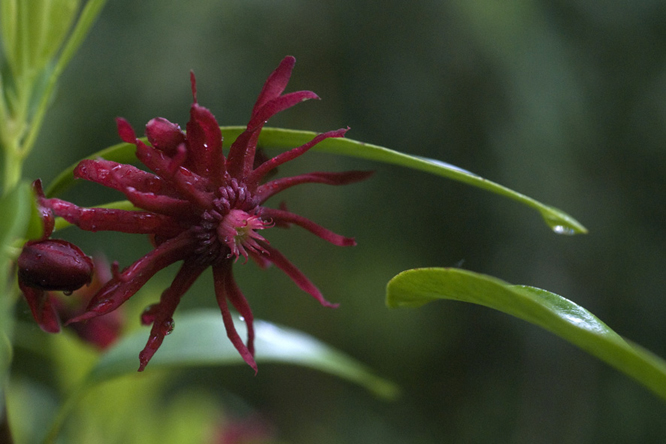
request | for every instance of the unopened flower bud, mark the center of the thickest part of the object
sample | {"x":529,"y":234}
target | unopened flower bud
{"x":164,"y":135}
{"x":54,"y":265}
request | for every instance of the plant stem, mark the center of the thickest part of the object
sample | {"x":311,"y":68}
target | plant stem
{"x":13,"y":169}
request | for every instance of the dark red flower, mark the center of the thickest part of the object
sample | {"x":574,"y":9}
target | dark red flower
{"x":201,"y":208}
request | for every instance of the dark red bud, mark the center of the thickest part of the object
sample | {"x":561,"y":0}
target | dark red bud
{"x":164,"y":135}
{"x":54,"y":265}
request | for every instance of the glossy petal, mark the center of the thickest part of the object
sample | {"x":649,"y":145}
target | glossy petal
{"x":124,"y":285}
{"x":272,"y":107}
{"x":276,"y":83}
{"x":156,"y":203}
{"x":296,"y":275}
{"x":119,"y":176}
{"x":108,"y":219}
{"x":164,"y":135}
{"x":223,"y":286}
{"x":285,"y":217}
{"x":275,"y":186}
{"x":204,"y":144}
{"x":125,"y":130}
{"x":189,"y":184}
{"x":42,"y":309}
{"x":163,"y":320}
{"x":238,"y":162}
{"x":256,"y":175}
{"x":243,"y":307}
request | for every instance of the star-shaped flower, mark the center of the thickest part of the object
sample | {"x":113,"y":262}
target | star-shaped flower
{"x":202,"y":209}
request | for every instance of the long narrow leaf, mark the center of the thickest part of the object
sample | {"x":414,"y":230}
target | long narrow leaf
{"x":201,"y":339}
{"x":413,"y":288}
{"x":557,"y":220}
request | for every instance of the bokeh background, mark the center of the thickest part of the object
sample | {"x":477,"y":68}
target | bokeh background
{"x":563,"y":100}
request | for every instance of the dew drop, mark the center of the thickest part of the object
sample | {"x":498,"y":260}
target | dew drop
{"x":561,"y":229}
{"x":148,"y":314}
{"x":168,"y":326}
{"x":242,"y":318}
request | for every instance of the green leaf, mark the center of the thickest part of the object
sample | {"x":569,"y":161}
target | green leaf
{"x":86,"y":19}
{"x":201,"y":339}
{"x":557,"y":220}
{"x":9,"y":27}
{"x":554,"y":313}
{"x":15,"y":207}
{"x":56,"y":17}
{"x":33,"y":31}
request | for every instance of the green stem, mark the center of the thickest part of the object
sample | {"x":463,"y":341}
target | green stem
{"x":13,"y":169}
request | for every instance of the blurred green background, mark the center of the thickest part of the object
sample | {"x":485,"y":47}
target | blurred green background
{"x":563,"y":100}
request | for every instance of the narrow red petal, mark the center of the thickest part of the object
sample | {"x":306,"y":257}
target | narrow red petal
{"x":276,"y":83}
{"x":108,"y":219}
{"x":272,"y":107}
{"x":156,"y":203}
{"x":125,"y":284}
{"x":256,"y":175}
{"x":260,"y":259}
{"x":285,"y":217}
{"x":163,"y":322}
{"x":164,"y":135}
{"x":275,"y":186}
{"x":204,"y":144}
{"x":190,"y":185}
{"x":296,"y":275}
{"x":125,"y":130}
{"x":240,"y":303}
{"x":119,"y":175}
{"x":241,"y":154}
{"x":42,"y":310}
{"x":222,"y":275}
{"x":193,"y":84}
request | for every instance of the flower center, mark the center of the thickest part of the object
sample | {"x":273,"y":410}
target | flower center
{"x":237,"y":231}
{"x":229,"y":228}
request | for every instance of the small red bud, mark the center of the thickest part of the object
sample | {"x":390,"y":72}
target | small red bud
{"x":54,"y":265}
{"x":164,"y":135}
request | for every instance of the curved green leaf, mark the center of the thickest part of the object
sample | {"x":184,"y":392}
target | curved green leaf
{"x":554,"y":313}
{"x":557,"y":220}
{"x":201,"y":339}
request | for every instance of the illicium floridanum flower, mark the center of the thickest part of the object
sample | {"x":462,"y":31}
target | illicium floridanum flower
{"x":202,"y":209}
